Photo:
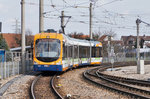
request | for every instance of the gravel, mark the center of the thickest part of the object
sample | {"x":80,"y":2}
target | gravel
{"x":130,"y":72}
{"x":42,"y":88}
{"x":3,"y":81}
{"x":72,"y":82}
{"x":19,"y":89}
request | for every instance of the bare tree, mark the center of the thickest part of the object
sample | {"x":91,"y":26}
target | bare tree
{"x":97,"y":35}
{"x":29,"y":37}
{"x":110,"y":33}
{"x":28,"y":32}
{"x":78,"y":35}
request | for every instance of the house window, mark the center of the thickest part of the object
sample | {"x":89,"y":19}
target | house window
{"x":130,"y":42}
{"x":131,"y":39}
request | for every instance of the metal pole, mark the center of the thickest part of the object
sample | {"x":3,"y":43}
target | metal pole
{"x":5,"y":68}
{"x":90,"y":30}
{"x":109,"y":48}
{"x":23,"y":34}
{"x":13,"y":63}
{"x":0,"y":27}
{"x":17,"y":26}
{"x":138,"y":47}
{"x":41,"y":17}
{"x":62,"y":22}
{"x":90,"y":25}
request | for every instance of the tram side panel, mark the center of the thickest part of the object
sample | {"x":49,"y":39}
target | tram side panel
{"x":74,"y":56}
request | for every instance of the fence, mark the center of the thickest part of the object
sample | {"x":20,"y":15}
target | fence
{"x":12,"y":64}
{"x":126,"y":57}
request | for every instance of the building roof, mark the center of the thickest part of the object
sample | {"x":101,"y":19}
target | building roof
{"x":125,"y":38}
{"x":102,"y":38}
{"x":80,"y":36}
{"x":13,"y":40}
{"x":114,"y":42}
{"x":148,"y":45}
{"x":19,"y":48}
{"x":146,"y":38}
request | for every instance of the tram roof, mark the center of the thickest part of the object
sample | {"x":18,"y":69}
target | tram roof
{"x":73,"y":41}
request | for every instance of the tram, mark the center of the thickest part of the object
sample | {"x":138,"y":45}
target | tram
{"x":59,"y":52}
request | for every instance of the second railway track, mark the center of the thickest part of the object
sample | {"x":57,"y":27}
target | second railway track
{"x":112,"y":83}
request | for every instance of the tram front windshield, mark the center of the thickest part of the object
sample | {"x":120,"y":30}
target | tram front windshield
{"x":47,"y":50}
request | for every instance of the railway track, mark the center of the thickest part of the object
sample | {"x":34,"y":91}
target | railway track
{"x":44,"y":87}
{"x":117,"y":84}
{"x":126,"y":80}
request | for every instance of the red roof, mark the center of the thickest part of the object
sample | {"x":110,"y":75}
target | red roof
{"x":13,"y":40}
{"x":80,"y":36}
{"x":102,"y":38}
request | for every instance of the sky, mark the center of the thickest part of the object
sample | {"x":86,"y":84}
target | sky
{"x":118,"y":16}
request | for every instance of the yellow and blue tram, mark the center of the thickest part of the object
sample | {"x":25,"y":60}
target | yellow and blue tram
{"x":58,"y":52}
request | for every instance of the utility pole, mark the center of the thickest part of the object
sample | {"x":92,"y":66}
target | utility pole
{"x":17,"y":29}
{"x":63,"y":25}
{"x":138,"y":47}
{"x":41,"y":17}
{"x":16,"y":26}
{"x":90,"y":24}
{"x":90,"y":29}
{"x":62,"y":22}
{"x":140,"y":63}
{"x":23,"y":34}
{"x":0,"y":27}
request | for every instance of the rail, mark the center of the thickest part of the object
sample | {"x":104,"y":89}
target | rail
{"x":32,"y":87}
{"x":54,"y":89}
{"x":125,"y":89}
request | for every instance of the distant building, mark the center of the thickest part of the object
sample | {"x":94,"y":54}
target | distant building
{"x":105,"y":39}
{"x":129,"y":42}
{"x":108,"y":42}
{"x":18,"y":49}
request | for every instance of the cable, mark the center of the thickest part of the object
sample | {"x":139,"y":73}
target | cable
{"x":108,"y":3}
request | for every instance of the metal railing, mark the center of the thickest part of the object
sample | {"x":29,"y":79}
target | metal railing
{"x":126,"y":57}
{"x":12,"y":64}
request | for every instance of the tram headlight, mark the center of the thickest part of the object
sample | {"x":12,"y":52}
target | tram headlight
{"x":35,"y":63}
{"x":59,"y":63}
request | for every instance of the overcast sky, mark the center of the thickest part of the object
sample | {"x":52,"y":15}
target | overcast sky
{"x":116,"y":15}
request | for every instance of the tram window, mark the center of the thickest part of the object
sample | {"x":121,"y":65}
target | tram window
{"x":75,"y":51}
{"x":100,"y":51}
{"x":70,"y":49}
{"x":88,"y":52}
{"x":96,"y":52}
{"x":83,"y":52}
{"x":64,"y":51}
{"x":80,"y":51}
{"x":93,"y":51}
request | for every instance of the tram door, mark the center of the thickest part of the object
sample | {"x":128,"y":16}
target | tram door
{"x":75,"y":55}
{"x":70,"y":55}
{"x":65,"y":55}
